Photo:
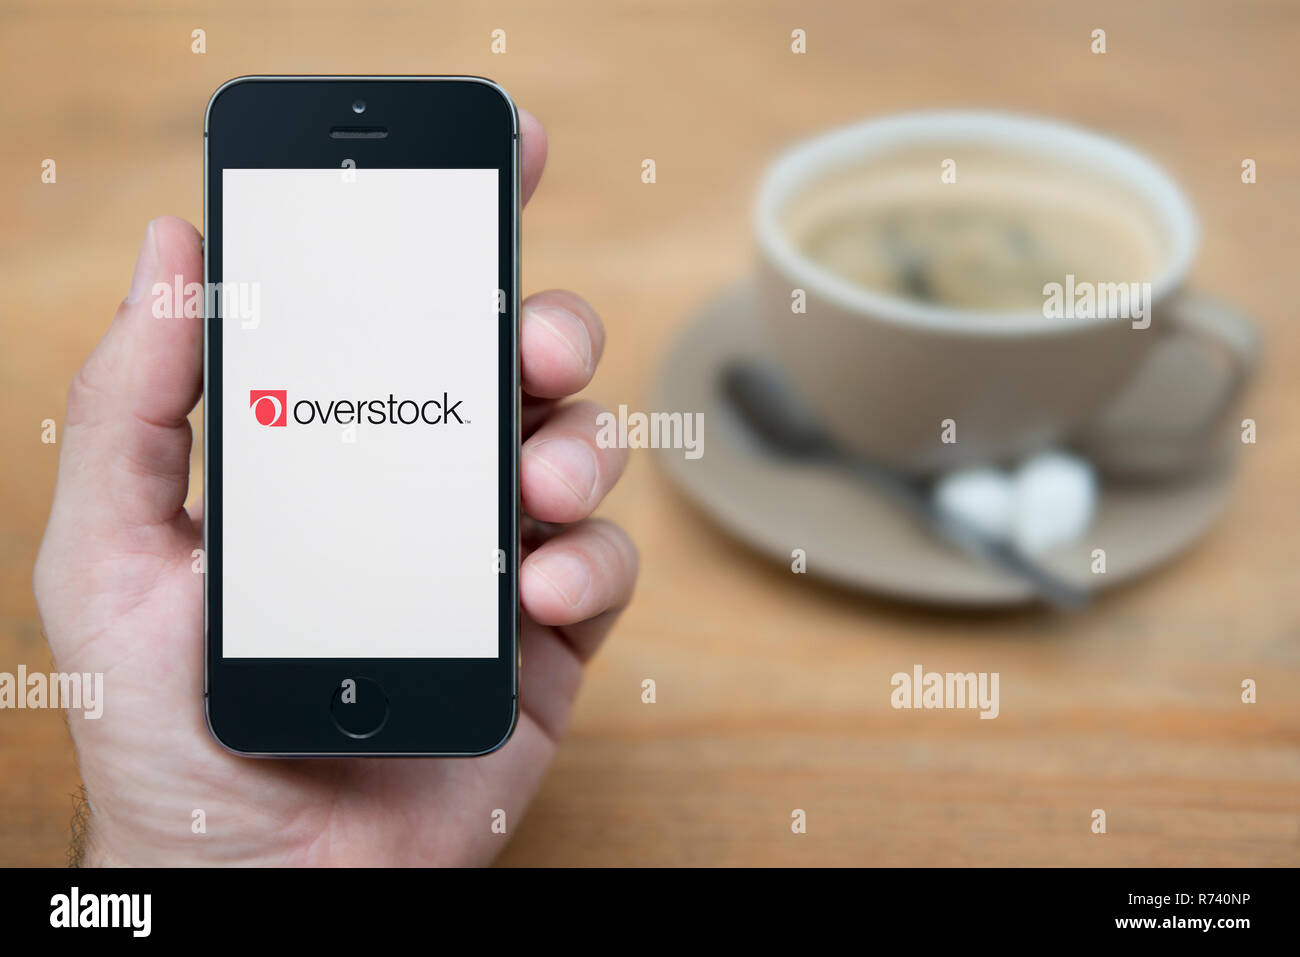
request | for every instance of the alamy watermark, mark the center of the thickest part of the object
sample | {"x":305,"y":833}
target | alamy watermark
{"x":128,"y":911}
{"x":652,"y":430}
{"x":932,"y":689}
{"x":75,"y":691}
{"x":1092,"y":300}
{"x":195,"y":300}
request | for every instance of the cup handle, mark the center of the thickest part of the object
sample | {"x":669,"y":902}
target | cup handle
{"x":1221,"y":325}
{"x":1215,"y":326}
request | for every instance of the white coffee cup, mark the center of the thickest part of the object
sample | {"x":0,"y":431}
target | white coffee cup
{"x":888,"y":375}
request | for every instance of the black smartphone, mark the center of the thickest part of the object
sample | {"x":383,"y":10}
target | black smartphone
{"x":361,"y":406}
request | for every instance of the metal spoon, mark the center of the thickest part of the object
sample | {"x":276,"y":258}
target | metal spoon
{"x":786,"y":426}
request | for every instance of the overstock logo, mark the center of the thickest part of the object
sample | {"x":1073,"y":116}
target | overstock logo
{"x":271,"y":408}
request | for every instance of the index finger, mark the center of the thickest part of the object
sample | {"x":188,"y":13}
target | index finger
{"x":532,"y":140}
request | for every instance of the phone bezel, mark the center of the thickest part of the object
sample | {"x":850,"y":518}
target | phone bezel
{"x":437,"y":706}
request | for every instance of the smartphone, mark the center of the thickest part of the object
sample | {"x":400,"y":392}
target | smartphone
{"x":361,"y":416}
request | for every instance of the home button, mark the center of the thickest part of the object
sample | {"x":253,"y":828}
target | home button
{"x":359,"y":707}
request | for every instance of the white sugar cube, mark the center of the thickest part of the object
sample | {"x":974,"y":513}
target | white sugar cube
{"x":981,"y":498}
{"x":1055,"y":496}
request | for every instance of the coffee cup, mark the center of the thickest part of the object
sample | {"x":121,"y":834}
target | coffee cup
{"x":950,"y":289}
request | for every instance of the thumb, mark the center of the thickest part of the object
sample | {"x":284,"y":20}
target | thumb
{"x":126,"y":448}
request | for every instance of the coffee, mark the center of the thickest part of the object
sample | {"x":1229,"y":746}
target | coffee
{"x":989,"y":241}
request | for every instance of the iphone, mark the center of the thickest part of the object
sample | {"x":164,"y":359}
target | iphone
{"x":361,"y":416}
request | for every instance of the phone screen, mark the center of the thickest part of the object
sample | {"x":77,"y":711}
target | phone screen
{"x":359,"y":400}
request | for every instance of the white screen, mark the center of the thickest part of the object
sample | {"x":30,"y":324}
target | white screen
{"x":347,"y":539}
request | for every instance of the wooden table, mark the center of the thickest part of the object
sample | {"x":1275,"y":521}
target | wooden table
{"x":772,"y":689}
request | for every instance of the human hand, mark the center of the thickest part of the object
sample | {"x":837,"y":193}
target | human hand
{"x":117,"y":595}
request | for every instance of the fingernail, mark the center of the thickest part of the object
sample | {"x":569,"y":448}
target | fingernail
{"x":146,"y":267}
{"x":570,"y":330}
{"x":572,"y":461}
{"x":566,"y":573}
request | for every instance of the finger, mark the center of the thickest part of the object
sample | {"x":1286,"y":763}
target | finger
{"x":563,"y":473}
{"x":561,"y":339}
{"x":549,"y":678}
{"x":465,"y":792}
{"x":584,"y":572}
{"x":533,"y":413}
{"x":534,"y":534}
{"x":126,"y":451}
{"x":532,"y":146}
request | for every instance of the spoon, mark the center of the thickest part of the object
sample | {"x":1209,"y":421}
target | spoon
{"x":788,"y":427}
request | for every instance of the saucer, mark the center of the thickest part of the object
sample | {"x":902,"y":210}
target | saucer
{"x":852,"y":533}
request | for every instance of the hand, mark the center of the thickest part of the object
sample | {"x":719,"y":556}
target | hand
{"x":117,"y":595}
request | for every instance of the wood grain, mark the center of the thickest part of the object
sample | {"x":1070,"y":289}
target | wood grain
{"x":773,"y":689}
